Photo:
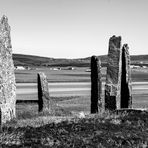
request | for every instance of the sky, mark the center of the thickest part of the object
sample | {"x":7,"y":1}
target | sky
{"x":75,"y":28}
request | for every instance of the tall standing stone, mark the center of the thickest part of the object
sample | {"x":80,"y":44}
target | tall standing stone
{"x":7,"y":77}
{"x":44,"y":100}
{"x":126,"y":87}
{"x":112,"y":87}
{"x":96,"y":85}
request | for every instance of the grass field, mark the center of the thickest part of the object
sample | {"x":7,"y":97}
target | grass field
{"x":71,"y":125}
{"x":76,"y":75}
{"x":77,"y":103}
{"x":105,"y":130}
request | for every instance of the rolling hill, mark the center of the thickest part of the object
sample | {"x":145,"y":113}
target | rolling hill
{"x":35,"y":61}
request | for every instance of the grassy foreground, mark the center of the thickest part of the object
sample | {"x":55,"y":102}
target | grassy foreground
{"x":81,"y":131}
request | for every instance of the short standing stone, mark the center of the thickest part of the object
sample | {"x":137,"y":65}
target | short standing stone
{"x":7,"y":77}
{"x":112,"y":87}
{"x":43,"y":93}
{"x":126,"y":89}
{"x":96,"y":85}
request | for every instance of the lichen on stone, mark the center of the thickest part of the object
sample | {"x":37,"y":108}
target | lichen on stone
{"x":7,"y":77}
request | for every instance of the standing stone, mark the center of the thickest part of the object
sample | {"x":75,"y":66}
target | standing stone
{"x":126,"y":89}
{"x":112,"y":87}
{"x":96,"y":85}
{"x":0,"y":121}
{"x":44,"y":100}
{"x":7,"y":77}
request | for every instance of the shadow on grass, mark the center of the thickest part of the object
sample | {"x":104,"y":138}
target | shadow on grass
{"x":27,"y":109}
{"x":105,"y":130}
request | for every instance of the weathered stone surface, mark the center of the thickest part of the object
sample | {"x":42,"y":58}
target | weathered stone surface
{"x":7,"y":77}
{"x":118,"y":91}
{"x":43,"y":93}
{"x":112,"y":87}
{"x":6,"y":112}
{"x":96,"y":85}
{"x":126,"y":87}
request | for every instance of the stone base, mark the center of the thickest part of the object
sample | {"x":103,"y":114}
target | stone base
{"x":7,"y":113}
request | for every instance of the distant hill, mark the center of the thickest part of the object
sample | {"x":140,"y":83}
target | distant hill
{"x":34,"y":61}
{"x":30,"y":60}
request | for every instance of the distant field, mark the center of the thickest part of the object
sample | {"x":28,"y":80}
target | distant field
{"x":76,"y":75}
{"x":74,"y":101}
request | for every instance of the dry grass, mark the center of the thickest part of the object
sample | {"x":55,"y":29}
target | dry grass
{"x":92,"y":131}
